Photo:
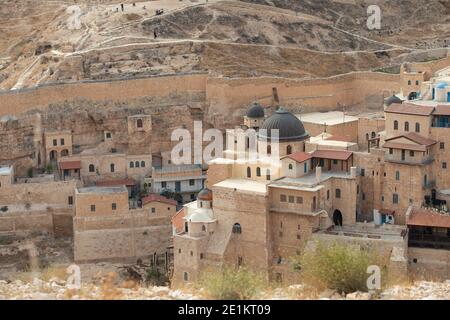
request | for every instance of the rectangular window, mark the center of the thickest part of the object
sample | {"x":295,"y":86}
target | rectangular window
{"x":153,"y":210}
{"x":397,"y":175}
{"x":411,"y":153}
{"x":395,"y":198}
{"x":55,"y":142}
{"x":442,"y":145}
{"x":300,"y":200}
{"x":108,"y":135}
{"x":282,"y":198}
{"x":328,"y":194}
{"x":391,"y":151}
{"x":291,"y":199}
{"x":444,"y":165}
{"x":114,"y":206}
{"x":62,"y":142}
{"x":338,"y":193}
{"x":191,"y":182}
{"x":334,"y":161}
{"x":363,"y":172}
{"x":163,"y":184}
{"x":305,"y":167}
{"x":70,"y":200}
{"x":92,"y":207}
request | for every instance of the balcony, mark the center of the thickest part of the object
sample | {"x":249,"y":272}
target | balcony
{"x":421,"y":240}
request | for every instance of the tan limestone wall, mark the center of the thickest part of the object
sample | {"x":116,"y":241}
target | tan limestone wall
{"x":425,"y":262}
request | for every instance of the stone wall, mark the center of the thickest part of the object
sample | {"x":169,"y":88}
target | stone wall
{"x":129,"y":236}
{"x":426,"y":262}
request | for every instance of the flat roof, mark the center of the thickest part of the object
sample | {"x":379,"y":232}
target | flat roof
{"x":243,"y":185}
{"x":308,"y":182}
{"x":329,"y":118}
{"x":102,"y":190}
{"x":427,"y":218}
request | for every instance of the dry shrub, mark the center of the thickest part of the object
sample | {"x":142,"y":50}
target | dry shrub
{"x":341,"y":267}
{"x":50,"y":272}
{"x":109,"y":288}
{"x":232,"y":284}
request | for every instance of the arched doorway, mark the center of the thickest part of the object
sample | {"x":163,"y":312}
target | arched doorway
{"x":53,"y":155}
{"x":337,"y":218}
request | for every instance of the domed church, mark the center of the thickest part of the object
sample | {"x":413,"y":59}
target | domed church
{"x":291,"y":133}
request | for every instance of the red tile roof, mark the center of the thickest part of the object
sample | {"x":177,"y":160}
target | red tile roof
{"x":158,"y":198}
{"x":298,"y":156}
{"x":178,"y":221}
{"x":442,"y":110}
{"x":118,"y":182}
{"x":67,"y":165}
{"x":332,"y":154}
{"x":427,"y":218}
{"x":422,"y":142}
{"x":408,"y":108}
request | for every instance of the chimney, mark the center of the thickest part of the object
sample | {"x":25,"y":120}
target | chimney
{"x":318,"y":174}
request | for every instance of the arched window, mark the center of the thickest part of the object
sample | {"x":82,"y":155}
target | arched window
{"x":139,"y":123}
{"x":367,"y":136}
{"x":417,"y":127}
{"x":65,"y":153}
{"x":290,"y":166}
{"x":136,"y":164}
{"x":406,"y":126}
{"x":237,"y":228}
{"x":91,"y":168}
{"x":409,"y":82}
{"x":143,"y":164}
{"x":249,"y":172}
{"x":395,"y":125}
{"x":258,"y":172}
{"x":288,"y":149}
{"x":185,"y":276}
{"x":267,"y":174}
{"x":111,"y":166}
{"x":131,"y":164}
{"x":203,"y":228}
{"x":269,"y":149}
{"x":373,"y":135}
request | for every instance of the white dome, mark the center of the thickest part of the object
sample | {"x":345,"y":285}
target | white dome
{"x":201,"y":215}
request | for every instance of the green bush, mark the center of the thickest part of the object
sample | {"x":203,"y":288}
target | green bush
{"x":232,"y":284}
{"x":341,"y":267}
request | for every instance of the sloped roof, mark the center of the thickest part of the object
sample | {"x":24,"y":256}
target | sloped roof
{"x":421,"y":142}
{"x":67,"y":165}
{"x":298,"y":156}
{"x":428,"y":218}
{"x":332,"y":154}
{"x":409,"y":108}
{"x":178,"y":220}
{"x":157,"y":198}
{"x":442,"y":110}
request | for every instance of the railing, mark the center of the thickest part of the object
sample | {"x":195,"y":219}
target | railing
{"x":428,"y":241}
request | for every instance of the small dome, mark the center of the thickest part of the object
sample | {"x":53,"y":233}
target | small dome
{"x":200,"y":216}
{"x":392,"y":99}
{"x":441,"y":85}
{"x":205,"y":195}
{"x":255,"y":111}
{"x":289,"y":126}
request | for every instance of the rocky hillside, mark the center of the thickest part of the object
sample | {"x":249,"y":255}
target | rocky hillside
{"x":288,"y":38}
{"x":55,"y":288}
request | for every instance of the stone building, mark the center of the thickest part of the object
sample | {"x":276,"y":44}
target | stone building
{"x":106,"y":228}
{"x":260,"y":212}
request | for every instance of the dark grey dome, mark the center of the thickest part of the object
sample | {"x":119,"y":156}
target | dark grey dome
{"x":255,"y":111}
{"x":289,"y":126}
{"x":392,"y":99}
